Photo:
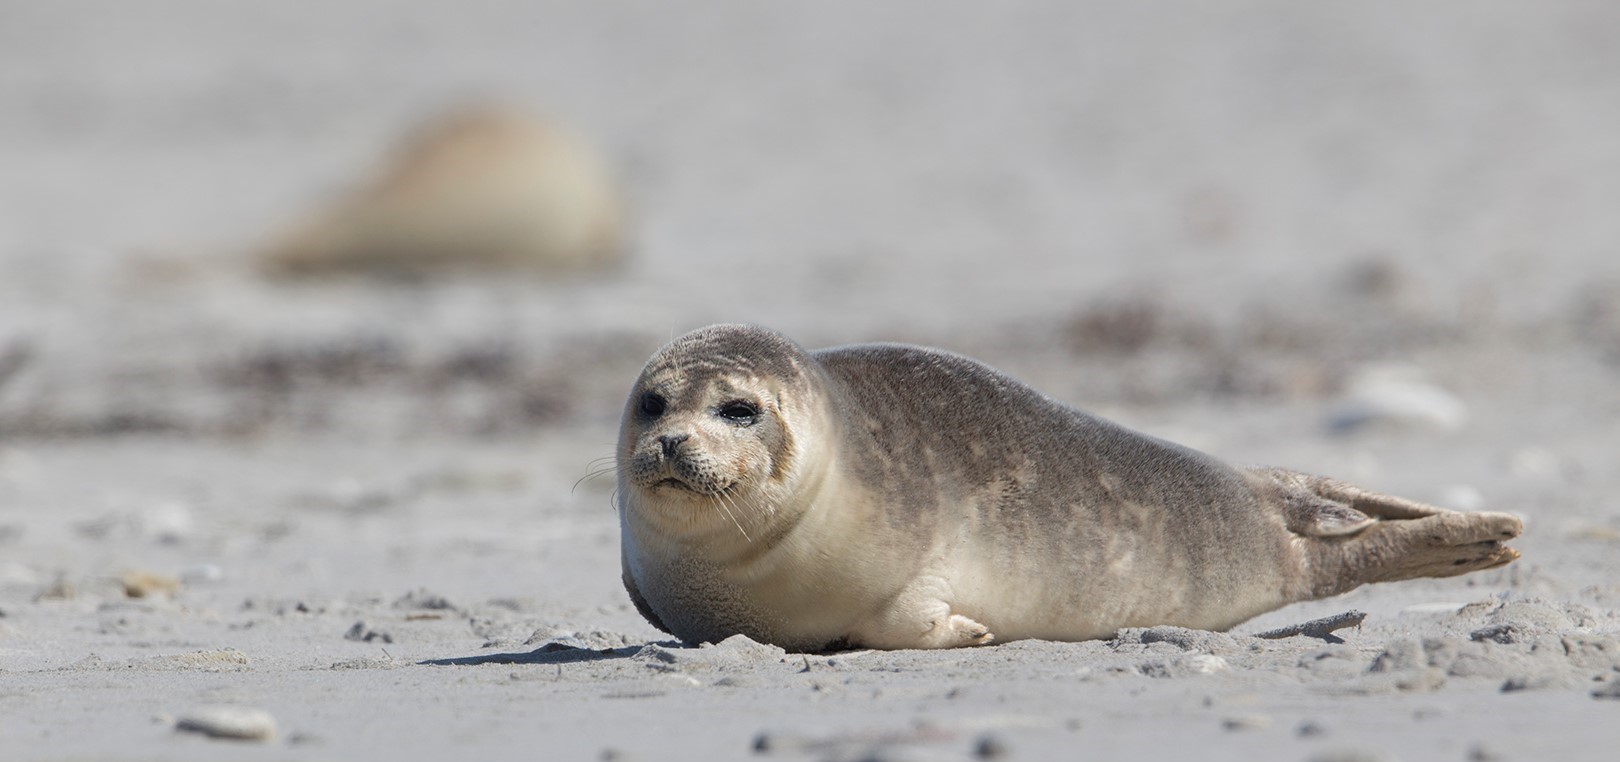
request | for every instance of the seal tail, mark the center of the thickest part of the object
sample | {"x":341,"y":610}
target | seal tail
{"x":1352,"y":536}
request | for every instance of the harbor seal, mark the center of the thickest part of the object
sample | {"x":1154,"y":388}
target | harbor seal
{"x":483,"y":187}
{"x":891,"y":496}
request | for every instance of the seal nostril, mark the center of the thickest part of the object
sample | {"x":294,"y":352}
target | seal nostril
{"x":669,"y":442}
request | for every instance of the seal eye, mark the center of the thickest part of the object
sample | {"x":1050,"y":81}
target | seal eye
{"x":739,"y":412}
{"x":652,"y":405}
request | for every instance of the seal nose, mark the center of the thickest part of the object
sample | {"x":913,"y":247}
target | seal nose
{"x":670,"y":441}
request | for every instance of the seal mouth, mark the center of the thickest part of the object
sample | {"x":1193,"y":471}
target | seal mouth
{"x":671,"y":481}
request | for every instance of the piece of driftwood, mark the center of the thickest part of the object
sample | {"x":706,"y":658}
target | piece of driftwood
{"x":1318,"y":628}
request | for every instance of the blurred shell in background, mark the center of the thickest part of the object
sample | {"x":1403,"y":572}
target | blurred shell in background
{"x":480,"y":188}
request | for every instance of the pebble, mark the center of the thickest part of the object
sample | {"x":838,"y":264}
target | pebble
{"x":765,"y":742}
{"x":168,"y":522}
{"x":60,"y":590}
{"x":1527,"y":683}
{"x":1609,"y":690}
{"x":202,"y":573}
{"x":423,"y":600}
{"x":1482,"y":752}
{"x":1398,"y":396}
{"x":1206,"y":664}
{"x":144,"y":584}
{"x":364,"y":634}
{"x":1247,"y":722}
{"x":1183,"y":666}
{"x":230,"y":722}
{"x":991,"y":746}
{"x":1310,"y":729}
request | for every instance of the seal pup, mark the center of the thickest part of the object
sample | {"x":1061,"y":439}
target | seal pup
{"x":486,"y":187}
{"x":891,"y":496}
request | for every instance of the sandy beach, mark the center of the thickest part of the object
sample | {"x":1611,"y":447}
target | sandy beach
{"x":352,"y":518}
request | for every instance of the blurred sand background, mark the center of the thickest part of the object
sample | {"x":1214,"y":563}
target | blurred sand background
{"x":1376,"y":240}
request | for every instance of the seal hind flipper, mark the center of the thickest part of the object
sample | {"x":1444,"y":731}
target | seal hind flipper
{"x":1353,"y":536}
{"x":1313,"y":516}
{"x":1443,"y":545}
{"x":1366,"y":501}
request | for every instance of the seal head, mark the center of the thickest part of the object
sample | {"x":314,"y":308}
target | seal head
{"x":706,"y":436}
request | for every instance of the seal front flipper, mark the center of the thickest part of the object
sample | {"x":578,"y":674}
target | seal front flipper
{"x":921,"y":617}
{"x":1352,"y":536}
{"x":640,"y":602}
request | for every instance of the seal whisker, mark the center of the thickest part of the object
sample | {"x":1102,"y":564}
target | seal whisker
{"x":593,"y":474}
{"x":754,"y":504}
{"x":723,"y":500}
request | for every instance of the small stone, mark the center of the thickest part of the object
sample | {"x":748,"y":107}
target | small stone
{"x":1505,"y":633}
{"x":1310,"y":729}
{"x":769,"y":743}
{"x":991,"y":746}
{"x":168,"y":523}
{"x":361,"y":633}
{"x":1591,"y":652}
{"x":201,"y":574}
{"x":1482,"y":752}
{"x":1609,"y":690}
{"x":424,"y":601}
{"x":229,"y":722}
{"x":1424,"y":713}
{"x":1397,"y":397}
{"x":1334,"y":660}
{"x":1247,"y":722}
{"x":1183,"y":666}
{"x":60,"y":590}
{"x":143,"y":584}
{"x":1528,"y":683}
{"x":1206,"y":664}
